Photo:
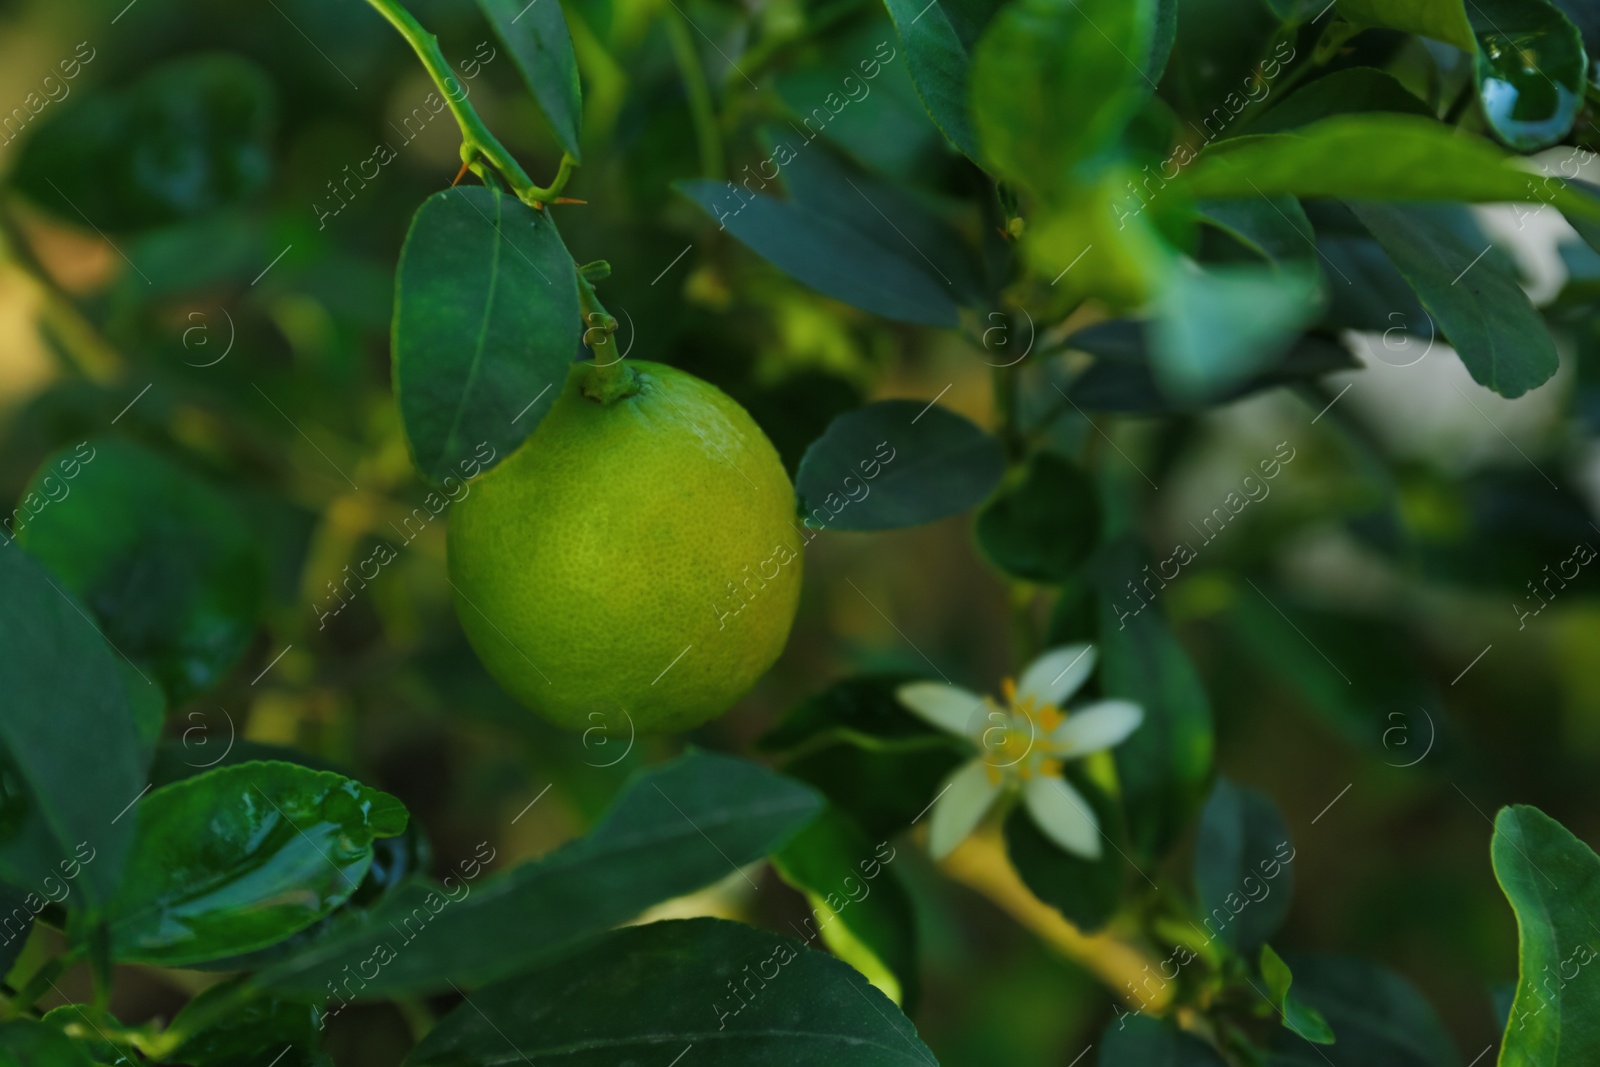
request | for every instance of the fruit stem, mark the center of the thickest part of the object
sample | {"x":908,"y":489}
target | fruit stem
{"x":609,"y":378}
{"x":478,"y":145}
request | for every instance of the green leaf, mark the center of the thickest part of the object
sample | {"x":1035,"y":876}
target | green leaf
{"x":536,"y":35}
{"x":818,"y":250}
{"x":486,"y":324}
{"x":1297,"y":1016}
{"x":1043,"y":527}
{"x":677,"y":828}
{"x":1086,"y":892}
{"x":1372,"y":157}
{"x":189,"y":137}
{"x":1343,"y":92}
{"x":164,"y":560}
{"x":1381,"y":1019}
{"x":1217,"y":326}
{"x":896,"y":463}
{"x":241,"y":857}
{"x":1531,"y":69}
{"x":1053,"y":83}
{"x":1239,"y":855}
{"x":1552,"y":881}
{"x":1165,"y":764}
{"x":1443,"y":20}
{"x":861,"y":910}
{"x":940,"y":61}
{"x":1134,"y":1040}
{"x":26,"y":1043}
{"x":261,"y":1023}
{"x":738,"y":995}
{"x":1164,"y":34}
{"x":1477,"y":304}
{"x":883,"y":788}
{"x":863,"y":708}
{"x":1274,"y":228}
{"x":61,"y":798}
{"x":17,"y":910}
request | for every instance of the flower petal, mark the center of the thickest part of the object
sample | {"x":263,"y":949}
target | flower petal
{"x":1096,"y":726}
{"x":962,"y":803}
{"x":1056,"y":675}
{"x":1064,"y":816}
{"x":950,"y":708}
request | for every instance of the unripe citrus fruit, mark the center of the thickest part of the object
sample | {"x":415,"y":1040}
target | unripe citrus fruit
{"x":635,"y":554}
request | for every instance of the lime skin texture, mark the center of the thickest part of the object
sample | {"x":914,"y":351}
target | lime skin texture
{"x":635,"y":565}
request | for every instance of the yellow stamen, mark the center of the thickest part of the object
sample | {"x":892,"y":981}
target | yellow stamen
{"x":1050,"y":767}
{"x":992,"y":773}
{"x":1008,"y":689}
{"x":1050,"y":717}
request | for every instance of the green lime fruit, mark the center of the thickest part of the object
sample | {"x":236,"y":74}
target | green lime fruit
{"x":634,"y":565}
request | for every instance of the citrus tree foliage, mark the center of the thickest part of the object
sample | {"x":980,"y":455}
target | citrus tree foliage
{"x":237,"y":703}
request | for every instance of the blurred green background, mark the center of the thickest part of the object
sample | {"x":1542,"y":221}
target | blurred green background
{"x":219,"y":288}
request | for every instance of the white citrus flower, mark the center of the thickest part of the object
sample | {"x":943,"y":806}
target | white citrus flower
{"x":1021,"y":745}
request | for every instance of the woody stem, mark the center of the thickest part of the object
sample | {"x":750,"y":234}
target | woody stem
{"x":477,"y":143}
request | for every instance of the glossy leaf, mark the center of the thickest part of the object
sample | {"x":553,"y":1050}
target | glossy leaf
{"x":1215,"y":327}
{"x":1165,"y":764}
{"x":241,"y":857}
{"x":678,"y":981}
{"x":1301,"y":1018}
{"x":862,"y":708}
{"x":164,"y":560}
{"x":1039,"y":57}
{"x":818,"y":250}
{"x":1443,"y":20}
{"x":1476,"y":303}
{"x":537,"y":38}
{"x":189,"y":137}
{"x":938,"y":39}
{"x":1379,"y":1017}
{"x":896,"y":463}
{"x":262,"y":1023}
{"x":1242,"y":873}
{"x":1372,"y":157}
{"x":60,"y":797}
{"x":677,"y":828}
{"x":1274,"y":228}
{"x":1552,"y":881}
{"x":860,"y":909}
{"x":1043,"y":527}
{"x":1531,"y":70}
{"x":486,"y":323}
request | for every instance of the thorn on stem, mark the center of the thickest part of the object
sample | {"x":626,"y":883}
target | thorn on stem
{"x":569,"y":200}
{"x":462,"y":173}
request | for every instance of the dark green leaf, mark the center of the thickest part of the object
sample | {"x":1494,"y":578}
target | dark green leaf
{"x":1142,"y":1041}
{"x":1216,"y":327}
{"x":896,"y":463}
{"x":26,"y":1043}
{"x":1053,"y":82}
{"x":678,"y":828}
{"x":883,"y":788}
{"x":17,"y":909}
{"x":818,"y":250}
{"x":1531,"y":70}
{"x":1478,"y":305}
{"x":191,"y":136}
{"x":1552,"y":880}
{"x":241,"y":857}
{"x":263,"y":1023}
{"x":61,"y":798}
{"x":738,"y":995}
{"x":1086,"y":892}
{"x":938,"y":38}
{"x":863,"y":709}
{"x":1043,"y":527}
{"x":1164,"y":34}
{"x":1380,"y":1018}
{"x":1274,"y":228}
{"x":1165,"y":764}
{"x":860,"y":910}
{"x":1443,"y":20}
{"x":486,"y":324}
{"x":1240,"y":854}
{"x":536,"y":35}
{"x":1124,"y":386}
{"x":1298,"y":1016}
{"x":1372,"y":157}
{"x":164,"y":560}
{"x":1343,"y":92}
